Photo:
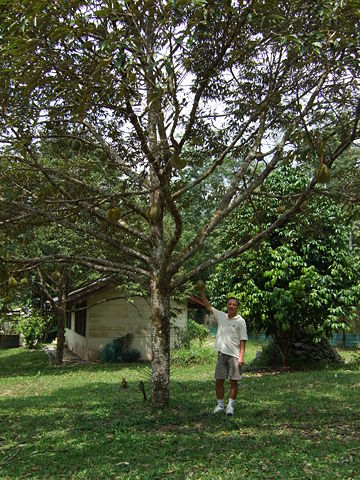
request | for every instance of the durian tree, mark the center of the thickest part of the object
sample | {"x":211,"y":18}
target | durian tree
{"x":153,"y":89}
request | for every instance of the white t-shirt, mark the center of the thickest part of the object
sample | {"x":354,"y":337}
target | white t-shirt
{"x":229,"y":333}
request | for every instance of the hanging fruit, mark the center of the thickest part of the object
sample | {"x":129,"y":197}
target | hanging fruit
{"x":322,"y":173}
{"x":113,"y":215}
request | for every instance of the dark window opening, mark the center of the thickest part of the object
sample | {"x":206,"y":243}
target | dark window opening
{"x":80,"y":319}
{"x":68,"y":319}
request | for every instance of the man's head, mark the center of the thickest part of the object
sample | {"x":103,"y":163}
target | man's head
{"x":232,"y":305}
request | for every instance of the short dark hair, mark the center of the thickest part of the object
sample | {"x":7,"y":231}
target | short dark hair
{"x":232,"y":298}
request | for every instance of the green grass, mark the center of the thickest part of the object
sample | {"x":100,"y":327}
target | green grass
{"x":77,"y":422}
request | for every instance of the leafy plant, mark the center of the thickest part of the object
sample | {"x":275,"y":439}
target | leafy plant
{"x":119,"y":350}
{"x":194,"y":331}
{"x":198,"y":354}
{"x":32,"y":327}
{"x":304,"y":352}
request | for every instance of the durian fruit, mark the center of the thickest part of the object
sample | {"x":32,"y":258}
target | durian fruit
{"x":322,"y":173}
{"x":113,"y":215}
{"x":76,"y":145}
{"x":55,"y":276}
{"x":199,"y":285}
{"x":281,"y":209}
{"x":153,"y":213}
{"x":24,"y":281}
{"x":177,"y":162}
{"x":304,"y":206}
{"x":276,"y":98}
{"x":12,"y":282}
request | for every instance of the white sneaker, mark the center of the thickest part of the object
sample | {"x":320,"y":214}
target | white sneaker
{"x":229,"y":410}
{"x":218,"y":409}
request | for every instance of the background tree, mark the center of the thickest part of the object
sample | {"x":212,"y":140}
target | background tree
{"x":141,"y":84}
{"x":305,"y":279}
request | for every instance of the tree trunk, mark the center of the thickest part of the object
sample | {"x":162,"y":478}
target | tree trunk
{"x":160,"y":380}
{"x":61,"y":319}
{"x":283,"y":342}
{"x":60,"y":337}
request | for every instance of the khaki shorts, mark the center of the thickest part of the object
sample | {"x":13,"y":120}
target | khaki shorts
{"x":227,"y":366}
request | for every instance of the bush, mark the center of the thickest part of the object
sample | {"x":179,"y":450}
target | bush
{"x":196,"y":355}
{"x":194,"y":331}
{"x":122,"y":344}
{"x":108,"y":354}
{"x":268,"y":358}
{"x":32,"y":328}
{"x":130,"y":356}
{"x":119,"y":350}
{"x":304,"y":352}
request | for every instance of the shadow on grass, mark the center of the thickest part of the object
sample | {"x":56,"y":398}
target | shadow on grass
{"x":20,"y":362}
{"x":283,"y":425}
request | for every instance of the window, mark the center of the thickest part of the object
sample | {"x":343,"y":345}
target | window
{"x":80,"y":319}
{"x":68,"y":319}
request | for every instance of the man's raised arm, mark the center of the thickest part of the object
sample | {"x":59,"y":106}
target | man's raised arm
{"x":204,"y":298}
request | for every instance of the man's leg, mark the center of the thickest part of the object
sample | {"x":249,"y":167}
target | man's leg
{"x":235,"y":375}
{"x":219,"y":387}
{"x":232,"y":397}
{"x":233,"y":389}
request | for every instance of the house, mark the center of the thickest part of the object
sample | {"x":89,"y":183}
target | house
{"x":98,"y":313}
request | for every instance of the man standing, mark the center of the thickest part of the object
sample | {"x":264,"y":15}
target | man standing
{"x":230,"y":344}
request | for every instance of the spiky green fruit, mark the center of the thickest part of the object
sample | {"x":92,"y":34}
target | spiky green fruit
{"x":113,"y":215}
{"x":177,"y":162}
{"x":12,"y":282}
{"x":322,"y":173}
{"x":304,"y":206}
{"x":55,"y":276}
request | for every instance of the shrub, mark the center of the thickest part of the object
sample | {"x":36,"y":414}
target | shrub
{"x":305,"y":352}
{"x":194,"y":331}
{"x":122,"y":344}
{"x":119,"y":350}
{"x":196,"y":355}
{"x":108,"y":354}
{"x":130,"y":356}
{"x":32,"y":328}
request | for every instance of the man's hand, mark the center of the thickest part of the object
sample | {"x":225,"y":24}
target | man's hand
{"x":241,"y":362}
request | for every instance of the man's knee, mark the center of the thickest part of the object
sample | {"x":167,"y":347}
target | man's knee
{"x":233,"y":383}
{"x":220,"y":381}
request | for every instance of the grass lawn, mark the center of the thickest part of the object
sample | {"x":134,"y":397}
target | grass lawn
{"x":77,"y":422}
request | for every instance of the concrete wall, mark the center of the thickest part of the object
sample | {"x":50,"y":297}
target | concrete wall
{"x":75,"y":342}
{"x":114,"y":318}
